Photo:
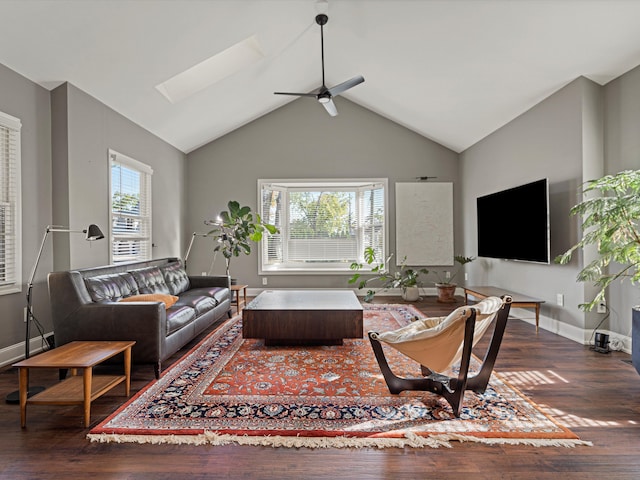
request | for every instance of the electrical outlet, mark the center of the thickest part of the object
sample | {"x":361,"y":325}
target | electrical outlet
{"x":466,"y":276}
{"x":264,"y":281}
{"x":447,"y":275}
{"x":602,"y":307}
{"x":560,"y":299}
{"x":204,"y":274}
{"x":24,"y":315}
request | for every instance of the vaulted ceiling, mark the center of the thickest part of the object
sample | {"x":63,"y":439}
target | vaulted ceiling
{"x":453,"y":71}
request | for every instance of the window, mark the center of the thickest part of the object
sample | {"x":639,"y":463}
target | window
{"x":130,"y":200}
{"x":325,"y":225}
{"x":10,"y":205}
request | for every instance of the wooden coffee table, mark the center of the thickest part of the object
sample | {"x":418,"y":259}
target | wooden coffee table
{"x":75,"y":390}
{"x":303,"y":317}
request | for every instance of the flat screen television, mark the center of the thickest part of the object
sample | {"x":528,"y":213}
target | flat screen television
{"x":513,"y":224}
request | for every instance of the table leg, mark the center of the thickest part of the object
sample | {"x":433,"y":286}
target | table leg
{"x":24,"y":389}
{"x":244,"y":297}
{"x":127,"y":371}
{"x":86,"y":380}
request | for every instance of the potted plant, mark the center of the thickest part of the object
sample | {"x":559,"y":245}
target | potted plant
{"x":445,"y":287}
{"x":406,"y":278}
{"x":235,"y":229}
{"x":611,"y":222}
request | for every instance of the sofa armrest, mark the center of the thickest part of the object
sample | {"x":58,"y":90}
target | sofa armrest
{"x":199,"y":281}
{"x":144,"y":322}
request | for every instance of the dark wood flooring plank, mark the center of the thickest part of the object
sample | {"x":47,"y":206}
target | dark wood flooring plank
{"x":596,"y":395}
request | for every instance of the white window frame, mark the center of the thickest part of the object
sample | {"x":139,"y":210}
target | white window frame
{"x":315,"y":184}
{"x":11,"y":202}
{"x":146,"y":214}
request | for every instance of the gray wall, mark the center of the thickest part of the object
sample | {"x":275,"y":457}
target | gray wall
{"x":300,"y":140}
{"x":622,"y":152}
{"x":581,"y":132}
{"x":546,"y":141}
{"x":86,"y":129}
{"x":65,"y":179}
{"x":30,"y":103}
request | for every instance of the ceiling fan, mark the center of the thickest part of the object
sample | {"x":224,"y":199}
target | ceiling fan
{"x":323,"y":94}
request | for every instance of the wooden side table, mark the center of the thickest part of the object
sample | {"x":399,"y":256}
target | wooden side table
{"x":235,"y":291}
{"x":76,"y":390}
{"x":517,"y":299}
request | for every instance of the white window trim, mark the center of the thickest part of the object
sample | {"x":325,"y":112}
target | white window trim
{"x":137,"y":165}
{"x":15,"y":124}
{"x":332,"y":182}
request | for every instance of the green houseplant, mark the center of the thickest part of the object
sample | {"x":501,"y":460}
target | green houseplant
{"x":235,"y":229}
{"x":611,"y":222}
{"x":445,"y":286}
{"x":405,"y":278}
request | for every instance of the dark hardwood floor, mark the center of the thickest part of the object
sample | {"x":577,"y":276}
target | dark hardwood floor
{"x":595,"y":395}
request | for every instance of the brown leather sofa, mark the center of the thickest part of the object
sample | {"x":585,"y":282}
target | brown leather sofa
{"x":102,"y":303}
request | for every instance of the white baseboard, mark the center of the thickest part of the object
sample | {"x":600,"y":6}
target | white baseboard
{"x":579,"y":335}
{"x":15,"y":353}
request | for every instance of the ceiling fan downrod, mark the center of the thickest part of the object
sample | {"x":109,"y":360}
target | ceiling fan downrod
{"x":322,"y":19}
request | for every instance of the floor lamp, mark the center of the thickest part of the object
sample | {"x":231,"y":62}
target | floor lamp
{"x":193,"y":237}
{"x":92,"y":233}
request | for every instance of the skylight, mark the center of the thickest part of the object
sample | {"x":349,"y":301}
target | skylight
{"x":212,"y":70}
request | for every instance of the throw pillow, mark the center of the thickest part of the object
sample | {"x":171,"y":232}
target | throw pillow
{"x":168,"y":300}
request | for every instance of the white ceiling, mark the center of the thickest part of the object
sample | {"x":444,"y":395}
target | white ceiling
{"x":453,"y":71}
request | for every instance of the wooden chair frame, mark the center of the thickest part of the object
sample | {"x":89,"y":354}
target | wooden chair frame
{"x":451,"y":388}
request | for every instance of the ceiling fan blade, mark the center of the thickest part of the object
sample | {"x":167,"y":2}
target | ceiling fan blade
{"x":330,"y":107}
{"x":338,"y":89}
{"x":297,"y":94}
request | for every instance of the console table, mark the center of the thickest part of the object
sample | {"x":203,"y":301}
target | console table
{"x":518,"y":300}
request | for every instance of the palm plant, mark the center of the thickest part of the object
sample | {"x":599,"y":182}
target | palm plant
{"x":611,"y":222}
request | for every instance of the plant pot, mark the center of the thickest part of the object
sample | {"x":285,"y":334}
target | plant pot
{"x":446,"y":292}
{"x":411,"y":294}
{"x":635,"y":337}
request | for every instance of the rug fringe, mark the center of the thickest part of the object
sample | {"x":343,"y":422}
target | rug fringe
{"x":409,"y":440}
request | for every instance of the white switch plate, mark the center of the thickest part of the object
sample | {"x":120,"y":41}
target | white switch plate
{"x":560,"y":299}
{"x":264,"y":280}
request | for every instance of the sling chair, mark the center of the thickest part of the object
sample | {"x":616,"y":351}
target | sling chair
{"x":438,"y":343}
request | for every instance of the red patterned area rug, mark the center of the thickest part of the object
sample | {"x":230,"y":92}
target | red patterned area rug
{"x":231,"y":390}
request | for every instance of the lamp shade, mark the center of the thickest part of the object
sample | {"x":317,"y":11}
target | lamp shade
{"x":94,"y":233}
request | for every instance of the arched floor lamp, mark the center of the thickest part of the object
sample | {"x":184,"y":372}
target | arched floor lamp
{"x":92,"y":233}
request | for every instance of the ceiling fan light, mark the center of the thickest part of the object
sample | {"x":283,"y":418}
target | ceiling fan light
{"x":324,"y":99}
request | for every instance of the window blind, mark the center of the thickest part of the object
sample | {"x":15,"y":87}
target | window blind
{"x":10,"y":207}
{"x":324,"y":225}
{"x":130,"y":209}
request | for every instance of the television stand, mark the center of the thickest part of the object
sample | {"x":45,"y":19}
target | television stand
{"x":518,"y":300}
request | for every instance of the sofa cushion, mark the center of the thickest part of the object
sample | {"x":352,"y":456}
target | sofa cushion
{"x":175,"y":276}
{"x":201,"y":303}
{"x":168,"y":300}
{"x":150,"y":280}
{"x":178,"y":316}
{"x":111,"y":287}
{"x":220,"y":294}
